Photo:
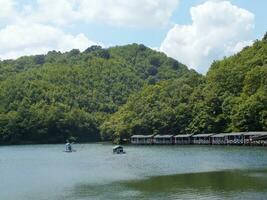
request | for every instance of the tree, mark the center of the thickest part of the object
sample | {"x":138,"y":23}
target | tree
{"x":265,"y":37}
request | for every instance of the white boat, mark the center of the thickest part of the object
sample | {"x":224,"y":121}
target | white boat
{"x":118,"y":149}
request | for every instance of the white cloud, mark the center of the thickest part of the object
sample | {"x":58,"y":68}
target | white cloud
{"x":36,"y":26}
{"x":128,"y":13}
{"x":59,"y":12}
{"x":6,"y":7}
{"x":27,"y":39}
{"x":7,"y":10}
{"x":27,"y":29}
{"x":218,"y":29}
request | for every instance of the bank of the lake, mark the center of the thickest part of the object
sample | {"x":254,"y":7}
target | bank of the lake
{"x":144,"y":172}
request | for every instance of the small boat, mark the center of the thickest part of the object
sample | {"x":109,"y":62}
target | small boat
{"x":68,"y":147}
{"x":118,"y":149}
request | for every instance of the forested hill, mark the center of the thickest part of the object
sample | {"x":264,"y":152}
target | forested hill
{"x":117,"y":92}
{"x":49,"y":98}
{"x":231,"y":97}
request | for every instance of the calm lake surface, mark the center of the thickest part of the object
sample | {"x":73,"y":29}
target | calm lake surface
{"x":145,"y":172}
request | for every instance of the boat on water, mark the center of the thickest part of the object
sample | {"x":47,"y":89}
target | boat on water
{"x":68,"y":147}
{"x":118,"y":149}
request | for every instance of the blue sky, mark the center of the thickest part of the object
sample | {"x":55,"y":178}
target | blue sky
{"x":195,"y":32}
{"x":154,"y":36}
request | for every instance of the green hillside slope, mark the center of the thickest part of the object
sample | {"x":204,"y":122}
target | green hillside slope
{"x":48,"y":98}
{"x":231,"y":97}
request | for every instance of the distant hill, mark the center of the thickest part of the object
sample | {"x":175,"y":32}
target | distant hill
{"x":49,"y":98}
{"x":111,"y":94}
{"x":231,"y":97}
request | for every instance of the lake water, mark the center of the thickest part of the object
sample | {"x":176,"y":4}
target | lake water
{"x":145,"y":172}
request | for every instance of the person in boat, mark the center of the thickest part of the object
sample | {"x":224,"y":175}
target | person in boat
{"x":118,"y":149}
{"x":68,"y":146}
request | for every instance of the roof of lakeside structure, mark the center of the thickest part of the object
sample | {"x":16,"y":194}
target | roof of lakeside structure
{"x":183,"y":135}
{"x":218,"y":135}
{"x":255,"y":133}
{"x":203,"y":135}
{"x":141,"y":136}
{"x":163,"y":136}
{"x":240,"y":133}
{"x":226,"y":134}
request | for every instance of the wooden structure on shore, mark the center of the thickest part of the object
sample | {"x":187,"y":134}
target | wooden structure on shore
{"x":218,"y":139}
{"x":235,"y":138}
{"x":202,"y":138}
{"x":183,"y":139}
{"x":259,"y":140}
{"x":255,"y":138}
{"x":163,"y":139}
{"x":142,"y":139}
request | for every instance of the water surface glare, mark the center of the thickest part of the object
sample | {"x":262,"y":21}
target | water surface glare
{"x":145,"y":172}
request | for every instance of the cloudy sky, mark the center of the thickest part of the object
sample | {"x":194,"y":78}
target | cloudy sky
{"x":195,"y":32}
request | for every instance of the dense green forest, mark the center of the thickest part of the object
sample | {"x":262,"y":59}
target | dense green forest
{"x":116,"y":92}
{"x":231,"y":97}
{"x":48,"y":98}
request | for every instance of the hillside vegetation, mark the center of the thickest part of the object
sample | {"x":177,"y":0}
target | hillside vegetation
{"x":48,"y":98}
{"x":117,"y":92}
{"x":231,"y":97}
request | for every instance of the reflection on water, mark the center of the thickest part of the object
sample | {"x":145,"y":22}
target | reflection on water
{"x":146,"y":172}
{"x":208,"y":185}
{"x":216,"y":181}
